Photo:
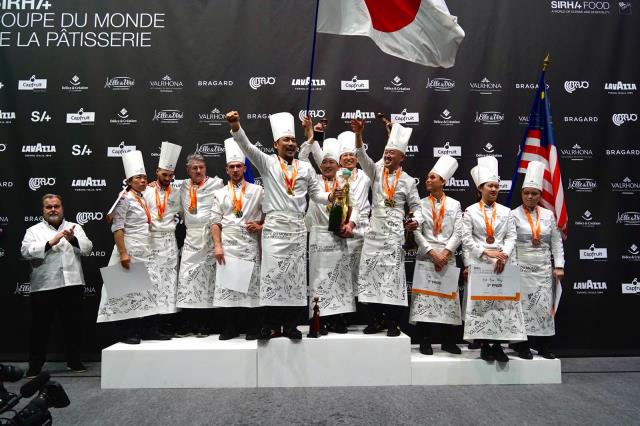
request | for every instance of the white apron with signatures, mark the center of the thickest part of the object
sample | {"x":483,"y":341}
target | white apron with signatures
{"x":164,"y":260}
{"x":197,"y":270}
{"x":241,"y":244}
{"x":283,"y":274}
{"x":330,"y":276}
{"x":381,"y":277}
{"x":536,"y":287}
{"x":135,"y":304}
{"x":494,"y":319}
{"x":427,"y":308}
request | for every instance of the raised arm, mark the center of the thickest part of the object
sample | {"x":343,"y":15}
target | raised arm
{"x":367,"y":164}
{"x":257,"y":157}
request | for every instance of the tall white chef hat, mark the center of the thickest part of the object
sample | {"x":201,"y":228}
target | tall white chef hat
{"x":487,"y":170}
{"x":347,"y":142}
{"x":474,"y":175}
{"x":445,"y":167}
{"x":232,"y":151}
{"x":535,"y":175}
{"x":169,"y":153}
{"x":331,"y":149}
{"x":133,"y":164}
{"x":282,"y":124}
{"x":399,"y":138}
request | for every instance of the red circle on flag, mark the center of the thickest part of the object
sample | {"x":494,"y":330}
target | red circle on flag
{"x":392,"y":15}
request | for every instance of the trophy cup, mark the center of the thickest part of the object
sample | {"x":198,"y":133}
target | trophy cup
{"x":340,"y":212}
{"x":314,"y":327}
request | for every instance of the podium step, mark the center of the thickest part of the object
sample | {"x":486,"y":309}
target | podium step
{"x":352,"y":359}
{"x":443,"y":368}
{"x":189,"y":362}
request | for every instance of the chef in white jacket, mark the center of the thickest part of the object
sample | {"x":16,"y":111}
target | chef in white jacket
{"x":489,"y":236}
{"x":236,"y":216}
{"x":130,"y":227}
{"x":53,"y":248}
{"x":287,"y":182}
{"x":541,"y":260}
{"x":437,"y":239}
{"x":359,"y":186}
{"x":196,"y":282}
{"x":163,"y":199}
{"x":382,"y":280}
{"x":330,"y":277}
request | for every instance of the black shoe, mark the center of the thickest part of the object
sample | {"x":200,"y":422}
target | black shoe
{"x":374,"y":328}
{"x":474,"y":345}
{"x":544,"y":353}
{"x":393,"y":330}
{"x":292,"y":333}
{"x":251,"y":336}
{"x":266,"y":333}
{"x":337,"y":327}
{"x":323,"y":330}
{"x":525,"y":354}
{"x":76,"y":367}
{"x":155,"y":335}
{"x":486,"y":353}
{"x":498,"y":353}
{"x":183,"y":332}
{"x":202,"y":331}
{"x":452,"y":348}
{"x":131,"y":340}
{"x":228,"y":334}
{"x":425,"y":348}
{"x":33,"y":372}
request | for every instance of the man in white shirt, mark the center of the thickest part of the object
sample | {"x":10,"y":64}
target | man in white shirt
{"x":54,"y":247}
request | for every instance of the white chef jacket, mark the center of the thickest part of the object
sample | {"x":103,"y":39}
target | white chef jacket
{"x":60,"y":265}
{"x":276,"y":198}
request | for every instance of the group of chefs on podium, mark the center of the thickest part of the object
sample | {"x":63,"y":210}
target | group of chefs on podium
{"x":246,"y":246}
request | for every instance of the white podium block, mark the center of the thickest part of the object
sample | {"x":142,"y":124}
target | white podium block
{"x":352,"y":359}
{"x":443,"y":368}
{"x":187,"y":362}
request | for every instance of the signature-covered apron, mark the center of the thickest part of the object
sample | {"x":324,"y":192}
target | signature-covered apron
{"x":197,"y":270}
{"x":241,"y":244}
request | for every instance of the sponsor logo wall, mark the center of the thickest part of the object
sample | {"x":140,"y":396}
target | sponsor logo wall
{"x":65,"y":123}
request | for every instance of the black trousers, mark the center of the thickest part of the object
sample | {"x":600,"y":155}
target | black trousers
{"x":66,"y":302}
{"x":238,"y":319}
{"x":275,"y":317}
{"x":427,"y":330}
{"x":391,"y":313}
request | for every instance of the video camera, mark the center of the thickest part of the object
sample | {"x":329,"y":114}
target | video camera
{"x":36,"y":412}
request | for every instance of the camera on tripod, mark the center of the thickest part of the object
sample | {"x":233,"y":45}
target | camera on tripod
{"x":36,"y":412}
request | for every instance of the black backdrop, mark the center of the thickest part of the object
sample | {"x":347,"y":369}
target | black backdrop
{"x":200,"y":59}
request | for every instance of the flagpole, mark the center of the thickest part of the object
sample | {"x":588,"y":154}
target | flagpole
{"x":313,"y":56}
{"x":514,"y":177}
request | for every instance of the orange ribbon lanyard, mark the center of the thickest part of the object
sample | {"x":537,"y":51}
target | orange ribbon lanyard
{"x":535,"y":230}
{"x":390,"y":190}
{"x":336,"y":185}
{"x":193,"y":192}
{"x":143,"y":204}
{"x":289,"y":181}
{"x":237,"y":201}
{"x":162,"y":207}
{"x":488,"y":225}
{"x":439,"y":217}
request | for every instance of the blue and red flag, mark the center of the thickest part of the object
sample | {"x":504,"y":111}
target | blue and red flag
{"x":539,"y":144}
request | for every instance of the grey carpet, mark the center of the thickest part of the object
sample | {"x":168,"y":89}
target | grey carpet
{"x":584,"y":398}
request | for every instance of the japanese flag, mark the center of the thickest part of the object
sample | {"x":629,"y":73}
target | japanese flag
{"x":420,"y":31}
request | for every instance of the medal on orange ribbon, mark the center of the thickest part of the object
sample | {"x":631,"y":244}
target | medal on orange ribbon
{"x":439,"y":217}
{"x":289,"y":181}
{"x":390,"y":191}
{"x":535,"y":229}
{"x":237,"y":201}
{"x":489,"y":225}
